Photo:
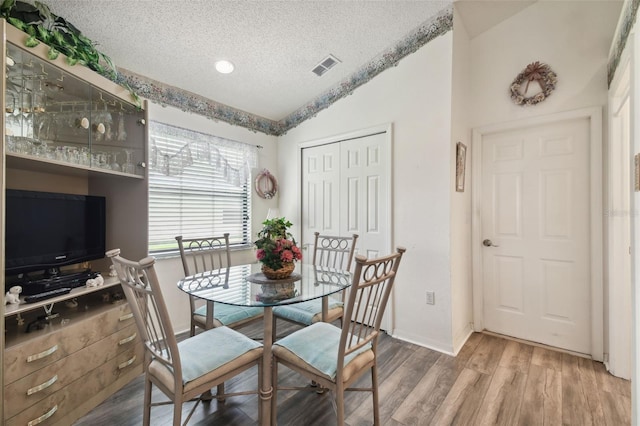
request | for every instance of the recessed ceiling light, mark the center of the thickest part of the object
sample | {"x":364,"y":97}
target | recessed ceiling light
{"x":224,"y":66}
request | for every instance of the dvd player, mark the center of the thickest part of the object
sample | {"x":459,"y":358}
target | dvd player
{"x":32,"y":286}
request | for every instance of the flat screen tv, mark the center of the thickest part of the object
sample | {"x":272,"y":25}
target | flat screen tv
{"x":45,"y":230}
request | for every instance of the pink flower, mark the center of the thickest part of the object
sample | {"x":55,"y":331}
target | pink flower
{"x":260,"y":254}
{"x":287,"y":256}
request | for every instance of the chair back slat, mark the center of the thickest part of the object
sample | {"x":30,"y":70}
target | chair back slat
{"x":368,"y":295}
{"x":142,"y":289}
{"x":334,"y":252}
{"x":204,"y":254}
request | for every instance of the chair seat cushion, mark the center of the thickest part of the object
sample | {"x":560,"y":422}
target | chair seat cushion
{"x":229,"y":314}
{"x":317,"y":346}
{"x":217,"y":350}
{"x":309,"y":312}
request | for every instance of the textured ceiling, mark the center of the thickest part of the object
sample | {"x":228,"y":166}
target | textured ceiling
{"x":273,"y":44}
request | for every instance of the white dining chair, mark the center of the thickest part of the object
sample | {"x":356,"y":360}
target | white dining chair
{"x":206,"y":254}
{"x":189,"y":368}
{"x":330,"y":252}
{"x":335,"y":357}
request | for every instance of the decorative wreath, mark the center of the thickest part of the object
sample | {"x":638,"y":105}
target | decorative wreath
{"x":538,"y":72}
{"x":266,"y":184}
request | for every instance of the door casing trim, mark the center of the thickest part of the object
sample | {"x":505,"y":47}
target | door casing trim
{"x":594,"y":115}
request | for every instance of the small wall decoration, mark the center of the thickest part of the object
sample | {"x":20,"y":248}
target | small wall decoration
{"x":637,"y":173}
{"x":461,"y":158}
{"x":535,"y":75}
{"x":266,"y":185}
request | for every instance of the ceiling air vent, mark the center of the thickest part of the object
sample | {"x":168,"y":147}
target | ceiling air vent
{"x":326,"y":64}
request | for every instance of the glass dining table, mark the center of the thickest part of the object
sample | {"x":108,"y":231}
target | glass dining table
{"x":245,"y":285}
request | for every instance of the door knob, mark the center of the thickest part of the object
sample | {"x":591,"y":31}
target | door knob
{"x":488,"y":243}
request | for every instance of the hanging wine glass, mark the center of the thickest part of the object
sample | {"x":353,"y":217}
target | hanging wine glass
{"x":122,"y":133}
{"x":12,"y":123}
{"x":26,"y":123}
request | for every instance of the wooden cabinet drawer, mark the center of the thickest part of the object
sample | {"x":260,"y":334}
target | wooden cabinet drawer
{"x":31,"y":389}
{"x":32,"y":355}
{"x":74,"y":400}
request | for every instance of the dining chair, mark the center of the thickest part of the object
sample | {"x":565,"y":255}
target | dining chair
{"x":335,"y":357}
{"x":331,"y":252}
{"x":181,"y":370}
{"x":206,"y":254}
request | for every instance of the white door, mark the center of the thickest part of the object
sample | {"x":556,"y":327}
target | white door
{"x":364,"y":194}
{"x":535,"y":223}
{"x":346,"y":190}
{"x":320,"y":193}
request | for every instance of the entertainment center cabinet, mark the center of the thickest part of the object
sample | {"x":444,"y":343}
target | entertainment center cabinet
{"x":67,"y":129}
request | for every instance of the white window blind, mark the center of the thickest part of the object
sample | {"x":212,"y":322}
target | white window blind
{"x":199,"y":186}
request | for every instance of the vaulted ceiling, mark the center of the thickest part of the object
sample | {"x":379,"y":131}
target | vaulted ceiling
{"x":166,"y":49}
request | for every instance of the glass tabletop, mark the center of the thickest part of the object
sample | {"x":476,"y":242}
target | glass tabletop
{"x":245,"y":285}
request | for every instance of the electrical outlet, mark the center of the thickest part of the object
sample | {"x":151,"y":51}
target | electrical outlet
{"x":431,"y":298}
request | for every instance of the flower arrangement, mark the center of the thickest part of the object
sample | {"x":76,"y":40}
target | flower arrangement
{"x":276,"y":246}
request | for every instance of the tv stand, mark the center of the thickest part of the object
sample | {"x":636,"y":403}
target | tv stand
{"x":90,"y":346}
{"x":70,"y":364}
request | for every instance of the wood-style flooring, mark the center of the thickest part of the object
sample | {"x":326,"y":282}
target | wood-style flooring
{"x":492,"y":381}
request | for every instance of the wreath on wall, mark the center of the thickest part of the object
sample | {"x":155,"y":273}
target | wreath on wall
{"x":266,"y":185}
{"x":537,"y":72}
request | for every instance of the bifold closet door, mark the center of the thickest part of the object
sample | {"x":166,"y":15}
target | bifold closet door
{"x":346,"y":190}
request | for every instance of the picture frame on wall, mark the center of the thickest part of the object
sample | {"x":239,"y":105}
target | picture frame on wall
{"x":461,"y":158}
{"x":637,"y":173}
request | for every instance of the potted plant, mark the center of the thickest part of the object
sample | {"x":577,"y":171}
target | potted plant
{"x":277,"y":249}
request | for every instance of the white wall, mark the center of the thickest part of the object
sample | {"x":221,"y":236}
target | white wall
{"x":557,"y":33}
{"x":461,"y":276}
{"x":415,"y":97}
{"x":170,"y":269}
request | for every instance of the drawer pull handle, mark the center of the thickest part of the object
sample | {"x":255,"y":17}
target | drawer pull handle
{"x":43,"y":417}
{"x":127,"y":339}
{"x":43,"y":354}
{"x":43,"y":386}
{"x":126,"y":317}
{"x":127,"y":363}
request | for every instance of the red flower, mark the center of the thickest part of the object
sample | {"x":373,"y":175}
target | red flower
{"x":260,"y":254}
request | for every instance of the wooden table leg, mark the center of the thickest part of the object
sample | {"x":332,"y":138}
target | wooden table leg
{"x":266,"y":393}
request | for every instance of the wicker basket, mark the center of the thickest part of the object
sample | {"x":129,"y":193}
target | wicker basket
{"x":278,"y":274}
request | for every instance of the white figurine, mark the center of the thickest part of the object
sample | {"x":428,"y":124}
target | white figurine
{"x":112,"y":271}
{"x":13,"y":295}
{"x":95,"y":282}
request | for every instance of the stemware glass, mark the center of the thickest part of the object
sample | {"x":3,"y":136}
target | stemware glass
{"x":128,"y":166}
{"x":12,"y":123}
{"x":122,"y":133}
{"x":113,"y":163}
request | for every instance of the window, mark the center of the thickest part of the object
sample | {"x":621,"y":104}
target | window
{"x":199,"y":185}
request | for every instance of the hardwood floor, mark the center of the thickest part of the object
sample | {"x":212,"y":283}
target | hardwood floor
{"x":492,"y":381}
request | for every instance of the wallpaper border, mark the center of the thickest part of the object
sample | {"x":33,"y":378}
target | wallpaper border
{"x":184,"y":100}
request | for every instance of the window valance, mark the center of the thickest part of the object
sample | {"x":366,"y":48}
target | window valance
{"x":172,"y":149}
